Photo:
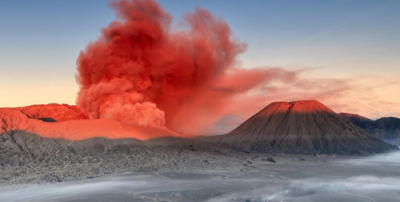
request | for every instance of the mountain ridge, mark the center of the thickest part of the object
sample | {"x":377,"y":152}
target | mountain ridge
{"x":306,"y":127}
{"x":385,"y":128}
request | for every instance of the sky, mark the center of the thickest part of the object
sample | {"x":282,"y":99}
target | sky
{"x":344,"y":52}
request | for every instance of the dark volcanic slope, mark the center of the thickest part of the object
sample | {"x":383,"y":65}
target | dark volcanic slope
{"x":26,"y":157}
{"x":387,"y":128}
{"x":302,"y":127}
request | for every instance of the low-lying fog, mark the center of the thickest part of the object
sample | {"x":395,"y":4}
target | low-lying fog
{"x":375,"y":178}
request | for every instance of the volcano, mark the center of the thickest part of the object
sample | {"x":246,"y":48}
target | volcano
{"x":307,"y":127}
{"x":68,"y":122}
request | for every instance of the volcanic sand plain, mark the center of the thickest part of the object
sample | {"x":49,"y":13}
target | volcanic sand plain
{"x":232,"y":176}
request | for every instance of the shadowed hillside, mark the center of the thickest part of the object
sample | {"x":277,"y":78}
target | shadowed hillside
{"x":386,"y":128}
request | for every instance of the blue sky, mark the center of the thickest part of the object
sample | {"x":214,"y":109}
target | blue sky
{"x":41,"y":39}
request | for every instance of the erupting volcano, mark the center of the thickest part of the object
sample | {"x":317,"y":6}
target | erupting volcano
{"x":157,"y":106}
{"x":145,"y":77}
{"x":140,"y":71}
{"x":71,"y":125}
{"x":145,"y":71}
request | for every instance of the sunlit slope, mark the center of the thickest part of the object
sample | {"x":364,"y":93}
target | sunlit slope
{"x":12,"y":119}
{"x":58,"y":112}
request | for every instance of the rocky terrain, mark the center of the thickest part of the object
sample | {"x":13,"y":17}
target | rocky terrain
{"x":27,"y":158}
{"x":103,"y":170}
{"x":386,"y":128}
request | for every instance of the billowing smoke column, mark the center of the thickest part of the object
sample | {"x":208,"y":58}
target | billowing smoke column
{"x":141,"y":71}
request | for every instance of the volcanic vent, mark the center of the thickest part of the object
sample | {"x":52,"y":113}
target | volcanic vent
{"x":302,"y":127}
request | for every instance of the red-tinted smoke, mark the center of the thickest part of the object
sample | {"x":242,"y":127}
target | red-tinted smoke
{"x":141,"y":71}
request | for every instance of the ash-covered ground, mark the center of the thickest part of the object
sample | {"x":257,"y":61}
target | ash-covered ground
{"x":150,"y":172}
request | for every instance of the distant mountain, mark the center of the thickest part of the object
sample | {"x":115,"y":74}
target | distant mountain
{"x":302,"y":127}
{"x":387,"y":128}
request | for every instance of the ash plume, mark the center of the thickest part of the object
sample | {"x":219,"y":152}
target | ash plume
{"x":141,"y":71}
